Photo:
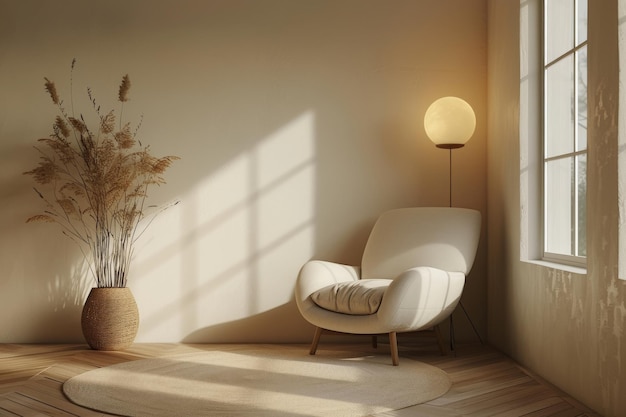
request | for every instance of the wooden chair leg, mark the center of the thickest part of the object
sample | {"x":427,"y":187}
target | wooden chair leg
{"x":375,"y":342}
{"x":316,"y":340}
{"x":438,"y":335}
{"x":393,"y":345}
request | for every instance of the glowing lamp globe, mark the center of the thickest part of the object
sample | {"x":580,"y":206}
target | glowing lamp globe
{"x":449,"y":122}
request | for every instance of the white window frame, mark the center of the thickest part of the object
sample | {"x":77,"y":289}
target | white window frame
{"x":531,"y":143}
{"x":574,"y":257}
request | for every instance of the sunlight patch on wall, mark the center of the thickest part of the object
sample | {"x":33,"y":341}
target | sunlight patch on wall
{"x":235,"y":243}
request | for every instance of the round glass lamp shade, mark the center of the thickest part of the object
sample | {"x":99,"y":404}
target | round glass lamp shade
{"x":449,"y":122}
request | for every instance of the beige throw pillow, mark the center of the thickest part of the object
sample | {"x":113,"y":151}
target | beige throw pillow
{"x":353,"y":297}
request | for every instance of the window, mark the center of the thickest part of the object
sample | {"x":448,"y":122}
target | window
{"x":564,"y":130}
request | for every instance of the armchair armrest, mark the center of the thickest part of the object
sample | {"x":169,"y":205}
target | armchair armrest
{"x":421,"y":297}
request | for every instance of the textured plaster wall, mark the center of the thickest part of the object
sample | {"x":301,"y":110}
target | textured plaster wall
{"x":567,"y":327}
{"x":297,"y":122}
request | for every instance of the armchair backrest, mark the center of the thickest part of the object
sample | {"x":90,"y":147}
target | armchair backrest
{"x":440,"y":237}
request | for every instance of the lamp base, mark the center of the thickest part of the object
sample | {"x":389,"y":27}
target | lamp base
{"x":450,"y":145}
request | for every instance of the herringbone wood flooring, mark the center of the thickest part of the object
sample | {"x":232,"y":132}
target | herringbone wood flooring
{"x":485,"y":382}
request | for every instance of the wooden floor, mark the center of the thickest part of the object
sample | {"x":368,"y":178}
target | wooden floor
{"x":484,"y":381}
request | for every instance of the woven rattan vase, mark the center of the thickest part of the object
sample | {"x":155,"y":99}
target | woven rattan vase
{"x":110,"y":318}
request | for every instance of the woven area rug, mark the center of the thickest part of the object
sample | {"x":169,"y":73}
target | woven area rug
{"x":258,"y":380}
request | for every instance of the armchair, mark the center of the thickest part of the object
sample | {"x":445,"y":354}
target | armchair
{"x":411,"y":276}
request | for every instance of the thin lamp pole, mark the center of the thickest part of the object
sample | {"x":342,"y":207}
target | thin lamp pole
{"x":450,"y":188}
{"x":451,"y":146}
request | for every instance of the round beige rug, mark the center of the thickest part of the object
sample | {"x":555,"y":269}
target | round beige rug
{"x":258,"y":381}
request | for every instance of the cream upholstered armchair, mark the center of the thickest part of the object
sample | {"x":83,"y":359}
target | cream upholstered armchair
{"x":411,"y":276}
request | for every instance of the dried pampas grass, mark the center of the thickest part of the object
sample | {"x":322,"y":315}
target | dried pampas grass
{"x":95,"y":184}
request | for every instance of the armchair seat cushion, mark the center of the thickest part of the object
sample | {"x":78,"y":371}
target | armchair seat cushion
{"x":360,"y":297}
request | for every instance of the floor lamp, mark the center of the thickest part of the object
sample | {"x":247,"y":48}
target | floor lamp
{"x":449,"y":123}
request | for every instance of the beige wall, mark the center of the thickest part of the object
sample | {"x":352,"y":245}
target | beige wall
{"x":566,"y":327}
{"x":297,"y":122}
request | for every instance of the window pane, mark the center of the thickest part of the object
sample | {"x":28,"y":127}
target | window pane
{"x":559,"y":112}
{"x":582,"y":22}
{"x":581,"y":123}
{"x":559,"y":28}
{"x":582,"y":205}
{"x":558,"y":196}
